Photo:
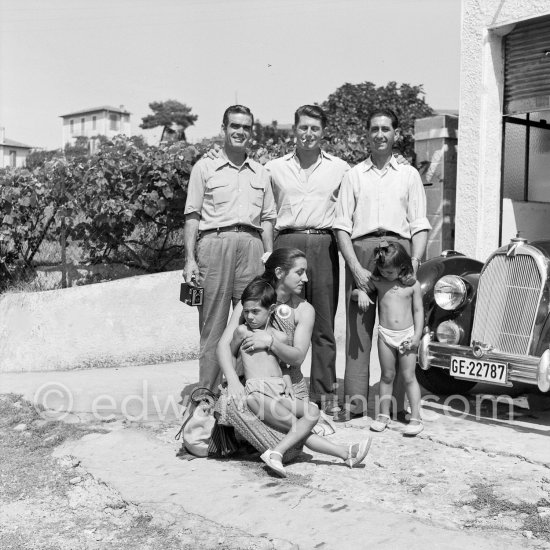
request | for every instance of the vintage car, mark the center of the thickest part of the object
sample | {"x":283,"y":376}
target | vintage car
{"x":486,"y":322}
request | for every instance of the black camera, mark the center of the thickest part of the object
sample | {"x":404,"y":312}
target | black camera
{"x":190,"y":294}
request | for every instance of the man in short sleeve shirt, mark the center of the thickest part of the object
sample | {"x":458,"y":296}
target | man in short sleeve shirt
{"x":229,"y":217}
{"x":305,"y":186}
{"x":379,"y":200}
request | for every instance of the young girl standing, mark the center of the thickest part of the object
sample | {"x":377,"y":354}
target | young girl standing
{"x":401,"y":320}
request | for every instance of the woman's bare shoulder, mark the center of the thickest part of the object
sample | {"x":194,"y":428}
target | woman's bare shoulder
{"x":304,"y":309}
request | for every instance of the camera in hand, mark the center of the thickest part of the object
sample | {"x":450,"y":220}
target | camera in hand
{"x":190,"y":294}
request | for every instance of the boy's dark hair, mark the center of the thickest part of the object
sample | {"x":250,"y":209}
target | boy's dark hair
{"x":384,"y":112}
{"x":236,"y":109}
{"x":283,"y":258}
{"x":393,"y":255}
{"x":260,"y":290}
{"x":313,"y":111}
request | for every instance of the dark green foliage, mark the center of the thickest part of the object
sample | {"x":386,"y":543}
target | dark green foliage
{"x":123,"y":204}
{"x":347,"y":111}
{"x":174,"y":116}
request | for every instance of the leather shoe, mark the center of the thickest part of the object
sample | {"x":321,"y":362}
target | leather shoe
{"x":346,"y":416}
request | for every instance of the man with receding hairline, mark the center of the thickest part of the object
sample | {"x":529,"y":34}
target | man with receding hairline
{"x":379,"y":199}
{"x":229,"y":216}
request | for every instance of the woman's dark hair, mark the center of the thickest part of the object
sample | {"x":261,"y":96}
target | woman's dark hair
{"x":394,"y":255}
{"x":283,"y":258}
{"x":259,"y":290}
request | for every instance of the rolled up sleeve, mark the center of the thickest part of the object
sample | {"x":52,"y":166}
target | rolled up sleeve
{"x":195,"y":190}
{"x":416,"y":211}
{"x":269,"y":210}
{"x":345,"y":205}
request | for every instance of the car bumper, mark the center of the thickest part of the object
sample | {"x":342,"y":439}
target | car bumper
{"x":526,"y":369}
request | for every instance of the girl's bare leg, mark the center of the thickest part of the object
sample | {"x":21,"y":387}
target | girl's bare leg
{"x":297,"y":418}
{"x":388,"y":360}
{"x":407,"y":366}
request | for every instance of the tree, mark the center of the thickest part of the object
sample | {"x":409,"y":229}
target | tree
{"x":174,"y":116}
{"x":347,"y":110}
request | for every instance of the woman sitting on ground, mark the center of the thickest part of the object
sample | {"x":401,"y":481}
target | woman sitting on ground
{"x":267,"y":395}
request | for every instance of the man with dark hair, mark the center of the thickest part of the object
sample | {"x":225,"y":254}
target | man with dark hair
{"x":305,"y":185}
{"x":379,"y":199}
{"x":229,"y":216}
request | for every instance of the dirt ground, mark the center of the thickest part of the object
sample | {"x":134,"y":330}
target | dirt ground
{"x":55,"y":504}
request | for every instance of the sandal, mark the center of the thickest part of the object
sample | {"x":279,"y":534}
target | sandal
{"x":362,"y":451}
{"x":381,"y":423}
{"x":414,"y":427}
{"x":275,"y":466}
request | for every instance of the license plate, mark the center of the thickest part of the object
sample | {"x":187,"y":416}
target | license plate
{"x":477,"y":369}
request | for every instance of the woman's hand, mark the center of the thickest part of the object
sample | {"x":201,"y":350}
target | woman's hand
{"x":236,"y":393}
{"x":256,"y":341}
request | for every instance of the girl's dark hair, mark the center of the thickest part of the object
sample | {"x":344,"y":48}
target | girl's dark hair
{"x":283,"y":258}
{"x":394,"y":255}
{"x":260,"y":290}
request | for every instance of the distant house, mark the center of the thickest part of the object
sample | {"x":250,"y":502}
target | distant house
{"x":91,"y":123}
{"x":12,"y":153}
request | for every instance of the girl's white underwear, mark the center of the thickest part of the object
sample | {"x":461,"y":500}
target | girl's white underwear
{"x":394,"y":338}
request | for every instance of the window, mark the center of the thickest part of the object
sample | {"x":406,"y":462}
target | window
{"x":72,"y":126}
{"x":94,"y":122}
{"x":82,"y":125}
{"x":526,"y":120}
{"x":13,"y":159}
{"x":526,"y":163}
{"x":113,"y":122}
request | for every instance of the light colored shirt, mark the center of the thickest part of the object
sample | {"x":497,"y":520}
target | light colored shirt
{"x":391,"y":200}
{"x":224,"y":194}
{"x":306,"y":202}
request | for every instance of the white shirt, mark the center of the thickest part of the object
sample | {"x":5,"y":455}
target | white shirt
{"x":306,"y":202}
{"x":391,"y":200}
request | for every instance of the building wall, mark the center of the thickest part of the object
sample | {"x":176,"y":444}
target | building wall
{"x":435,"y":145}
{"x":484,"y":24}
{"x":103,"y":126}
{"x":21,"y":155}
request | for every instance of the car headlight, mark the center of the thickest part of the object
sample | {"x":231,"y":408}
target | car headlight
{"x":449,"y":332}
{"x":450,"y":292}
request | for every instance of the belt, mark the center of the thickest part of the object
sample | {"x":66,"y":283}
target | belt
{"x":383,"y":233}
{"x":306,"y":231}
{"x":237,"y":228}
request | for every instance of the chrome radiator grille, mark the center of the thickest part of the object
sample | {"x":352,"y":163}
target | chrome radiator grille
{"x":508,"y":296}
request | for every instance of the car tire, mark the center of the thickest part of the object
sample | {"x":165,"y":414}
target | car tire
{"x":439,"y":381}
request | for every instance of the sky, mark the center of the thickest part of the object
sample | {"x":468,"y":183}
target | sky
{"x":60,"y":56}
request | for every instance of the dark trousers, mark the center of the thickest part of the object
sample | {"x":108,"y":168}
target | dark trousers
{"x":359,"y":328}
{"x":227,"y":263}
{"x":321,"y":291}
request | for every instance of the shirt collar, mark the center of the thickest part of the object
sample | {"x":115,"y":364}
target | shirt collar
{"x":368,"y":164}
{"x":292,"y":155}
{"x":222,"y":161}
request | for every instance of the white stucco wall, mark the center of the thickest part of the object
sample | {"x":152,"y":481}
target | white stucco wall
{"x":137,"y":320}
{"x":21,"y":155}
{"x":480,"y":123}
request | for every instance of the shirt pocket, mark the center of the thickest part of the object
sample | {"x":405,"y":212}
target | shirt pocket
{"x":221,"y":192}
{"x":257,"y":191}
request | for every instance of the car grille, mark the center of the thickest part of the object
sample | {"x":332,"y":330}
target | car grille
{"x":508,"y":296}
